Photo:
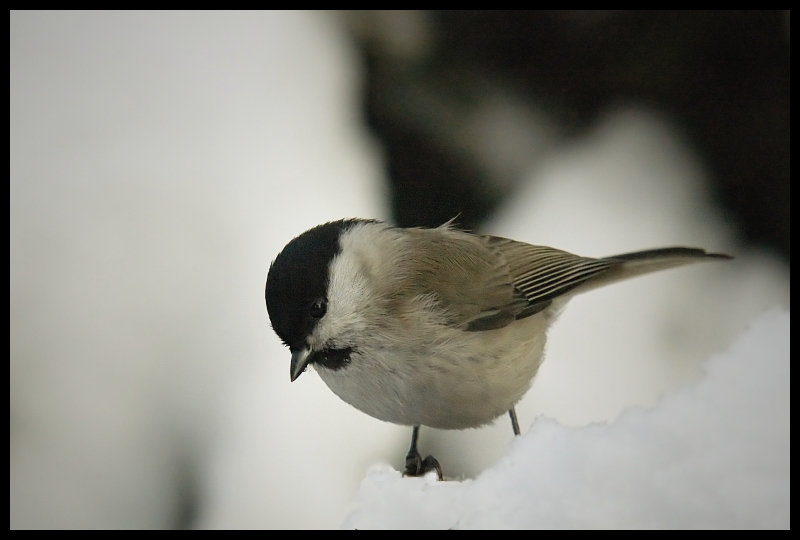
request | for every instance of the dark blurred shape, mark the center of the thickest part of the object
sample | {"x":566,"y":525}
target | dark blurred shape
{"x":723,"y":77}
{"x":188,"y":493}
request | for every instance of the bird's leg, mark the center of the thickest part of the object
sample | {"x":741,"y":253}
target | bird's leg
{"x":514,"y":423}
{"x":415,"y":465}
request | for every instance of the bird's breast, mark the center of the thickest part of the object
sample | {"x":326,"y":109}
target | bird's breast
{"x":448,"y":380}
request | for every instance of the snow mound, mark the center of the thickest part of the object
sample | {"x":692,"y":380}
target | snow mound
{"x":710,"y":455}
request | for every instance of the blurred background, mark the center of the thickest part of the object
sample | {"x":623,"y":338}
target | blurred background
{"x":160,"y":161}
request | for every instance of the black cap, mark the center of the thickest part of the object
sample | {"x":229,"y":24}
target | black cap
{"x":298,"y":280}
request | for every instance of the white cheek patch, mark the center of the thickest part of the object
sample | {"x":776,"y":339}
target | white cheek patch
{"x":349,"y":291}
{"x":348,"y":294}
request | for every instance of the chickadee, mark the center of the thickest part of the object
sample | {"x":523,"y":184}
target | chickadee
{"x":434,"y":327}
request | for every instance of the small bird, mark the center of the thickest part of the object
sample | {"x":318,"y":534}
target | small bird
{"x":435,"y":327}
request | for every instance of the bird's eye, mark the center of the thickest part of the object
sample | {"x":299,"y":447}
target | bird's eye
{"x":318,"y":308}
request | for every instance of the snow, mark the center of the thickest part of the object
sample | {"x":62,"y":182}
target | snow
{"x":159,"y":162}
{"x":714,"y":454}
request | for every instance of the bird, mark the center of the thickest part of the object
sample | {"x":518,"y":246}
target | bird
{"x":434,"y":327}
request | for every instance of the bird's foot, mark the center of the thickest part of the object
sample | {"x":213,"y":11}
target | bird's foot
{"x":416,"y":466}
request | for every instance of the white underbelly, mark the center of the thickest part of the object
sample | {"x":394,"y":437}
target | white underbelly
{"x":467,"y":381}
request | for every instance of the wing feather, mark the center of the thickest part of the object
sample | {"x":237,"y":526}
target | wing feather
{"x":487,"y":282}
{"x":542,"y":273}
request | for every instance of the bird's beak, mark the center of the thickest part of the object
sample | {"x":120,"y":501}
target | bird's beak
{"x":299,"y":363}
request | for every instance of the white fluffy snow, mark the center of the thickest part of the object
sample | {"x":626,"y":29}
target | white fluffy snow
{"x":714,"y":454}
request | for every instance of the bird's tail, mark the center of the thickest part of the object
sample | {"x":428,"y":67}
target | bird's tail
{"x":630,"y":265}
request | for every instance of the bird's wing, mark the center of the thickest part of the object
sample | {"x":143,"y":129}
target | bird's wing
{"x":487,"y":282}
{"x":543,"y":274}
{"x":465,"y":277}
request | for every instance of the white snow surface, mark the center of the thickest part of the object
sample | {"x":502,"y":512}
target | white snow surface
{"x":714,"y":454}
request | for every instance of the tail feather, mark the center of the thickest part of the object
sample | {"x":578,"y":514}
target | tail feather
{"x":652,"y":260}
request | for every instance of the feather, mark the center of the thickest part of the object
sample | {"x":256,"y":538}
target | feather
{"x":488,"y":282}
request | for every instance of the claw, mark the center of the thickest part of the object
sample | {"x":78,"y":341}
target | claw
{"x":415,"y":465}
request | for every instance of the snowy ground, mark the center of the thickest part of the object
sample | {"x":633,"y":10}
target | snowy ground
{"x":159,"y":162}
{"x":709,"y":455}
